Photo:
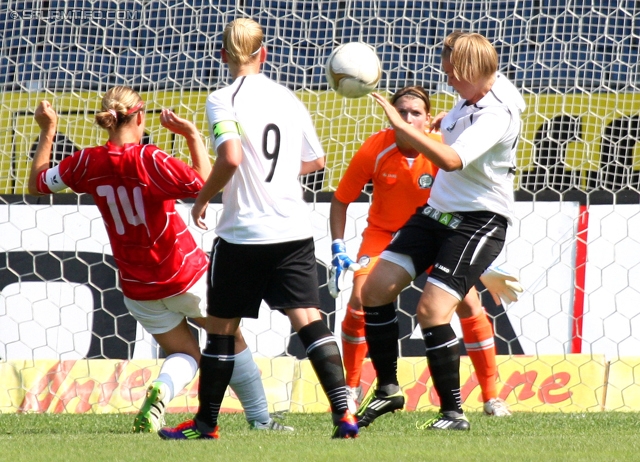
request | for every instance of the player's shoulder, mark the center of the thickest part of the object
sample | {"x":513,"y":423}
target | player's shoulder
{"x":503,"y":97}
{"x":381,"y":142}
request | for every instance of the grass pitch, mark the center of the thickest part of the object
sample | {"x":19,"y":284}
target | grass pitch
{"x":522,"y":437}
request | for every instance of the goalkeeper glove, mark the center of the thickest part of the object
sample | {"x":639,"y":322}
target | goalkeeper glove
{"x":340,"y":261}
{"x":501,"y":285}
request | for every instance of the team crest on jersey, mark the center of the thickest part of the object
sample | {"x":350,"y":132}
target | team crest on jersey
{"x":364,"y":261}
{"x":425,"y":181}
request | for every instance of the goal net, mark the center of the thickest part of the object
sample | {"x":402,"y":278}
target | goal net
{"x":575,"y":243}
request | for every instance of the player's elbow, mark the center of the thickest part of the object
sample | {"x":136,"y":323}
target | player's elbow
{"x":32,"y":188}
{"x":449,"y":166}
{"x":450,"y":162}
{"x":312,"y":166}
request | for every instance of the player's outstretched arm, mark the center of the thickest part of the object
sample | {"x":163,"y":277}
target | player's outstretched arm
{"x":229,"y":156}
{"x":47,"y":119}
{"x":199,"y":155}
{"x":441,"y":155}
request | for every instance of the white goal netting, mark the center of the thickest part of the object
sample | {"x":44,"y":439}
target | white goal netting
{"x":574,"y":246}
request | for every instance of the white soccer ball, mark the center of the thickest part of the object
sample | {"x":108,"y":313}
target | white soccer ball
{"x":353,"y":69}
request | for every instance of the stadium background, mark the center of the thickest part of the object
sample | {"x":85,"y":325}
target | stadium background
{"x":574,"y":246}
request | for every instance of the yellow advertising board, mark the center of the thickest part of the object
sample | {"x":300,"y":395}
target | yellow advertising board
{"x":108,"y":386}
{"x":567,"y":383}
{"x":623,"y":385}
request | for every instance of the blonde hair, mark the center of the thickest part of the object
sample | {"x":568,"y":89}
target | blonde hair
{"x":471,"y":55}
{"x":242,"y":40}
{"x":119,"y":105}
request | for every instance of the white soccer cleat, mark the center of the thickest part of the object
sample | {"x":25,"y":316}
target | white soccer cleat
{"x":354,"y":398}
{"x":272,"y":425}
{"x":497,"y":408}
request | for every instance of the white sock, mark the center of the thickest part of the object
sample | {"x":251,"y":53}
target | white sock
{"x":178,"y":370}
{"x":247,"y":385}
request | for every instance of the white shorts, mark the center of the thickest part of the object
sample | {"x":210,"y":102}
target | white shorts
{"x":160,"y":316}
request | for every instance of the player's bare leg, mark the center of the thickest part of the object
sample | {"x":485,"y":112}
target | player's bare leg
{"x":177,"y":371}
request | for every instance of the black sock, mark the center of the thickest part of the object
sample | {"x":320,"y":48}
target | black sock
{"x":381,"y":331}
{"x":443,"y":357}
{"x":216,"y":368}
{"x":324,"y":355}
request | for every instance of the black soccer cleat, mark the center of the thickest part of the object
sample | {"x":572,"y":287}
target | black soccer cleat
{"x":448,"y":420}
{"x":377,"y":404}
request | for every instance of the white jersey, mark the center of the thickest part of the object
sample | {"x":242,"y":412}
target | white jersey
{"x":262,"y":203}
{"x":485,"y":136}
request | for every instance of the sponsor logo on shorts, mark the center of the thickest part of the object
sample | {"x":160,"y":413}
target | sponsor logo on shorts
{"x":442,"y":268}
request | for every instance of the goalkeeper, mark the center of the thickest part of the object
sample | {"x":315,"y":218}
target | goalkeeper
{"x":162,"y":271}
{"x":402,"y":180}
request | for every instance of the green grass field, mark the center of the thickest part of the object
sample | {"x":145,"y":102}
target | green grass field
{"x":523,"y":437}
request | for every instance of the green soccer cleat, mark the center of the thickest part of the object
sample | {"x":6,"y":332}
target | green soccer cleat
{"x":377,"y":404}
{"x":449,"y":420}
{"x":150,"y":418}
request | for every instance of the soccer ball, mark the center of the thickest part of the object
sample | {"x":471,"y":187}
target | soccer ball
{"x":353,"y":69}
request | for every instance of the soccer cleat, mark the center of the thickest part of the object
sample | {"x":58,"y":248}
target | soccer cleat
{"x":187,"y":431}
{"x":449,"y":420}
{"x":354,"y":397}
{"x":497,"y":407}
{"x":377,"y":404}
{"x":150,"y":418}
{"x":273,"y":425}
{"x":345,"y":426}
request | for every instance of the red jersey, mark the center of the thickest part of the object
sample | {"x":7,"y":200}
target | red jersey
{"x":400,"y":185}
{"x":135,"y":187}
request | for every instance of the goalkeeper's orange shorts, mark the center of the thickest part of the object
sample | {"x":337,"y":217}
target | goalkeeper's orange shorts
{"x":374,"y":241}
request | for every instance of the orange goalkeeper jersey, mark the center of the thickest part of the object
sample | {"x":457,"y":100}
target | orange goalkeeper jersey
{"x":398,"y":186}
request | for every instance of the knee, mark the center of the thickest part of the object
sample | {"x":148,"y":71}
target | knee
{"x":469,"y":307}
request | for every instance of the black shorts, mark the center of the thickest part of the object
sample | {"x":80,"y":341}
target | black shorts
{"x":284,"y":275}
{"x":459,"y":246}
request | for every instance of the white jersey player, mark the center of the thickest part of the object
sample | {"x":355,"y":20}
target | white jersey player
{"x":262,"y":202}
{"x":264,"y":139}
{"x":461,"y":229}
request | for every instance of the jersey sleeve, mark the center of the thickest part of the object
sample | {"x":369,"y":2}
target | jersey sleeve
{"x":67,"y":174}
{"x":49,"y":181}
{"x":312,"y":148}
{"x":486,"y":131}
{"x":223,"y":124}
{"x":171,"y":177}
{"x":358,"y":174}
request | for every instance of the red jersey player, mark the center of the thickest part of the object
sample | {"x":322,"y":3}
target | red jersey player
{"x":402,"y":180}
{"x":161,"y":269}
